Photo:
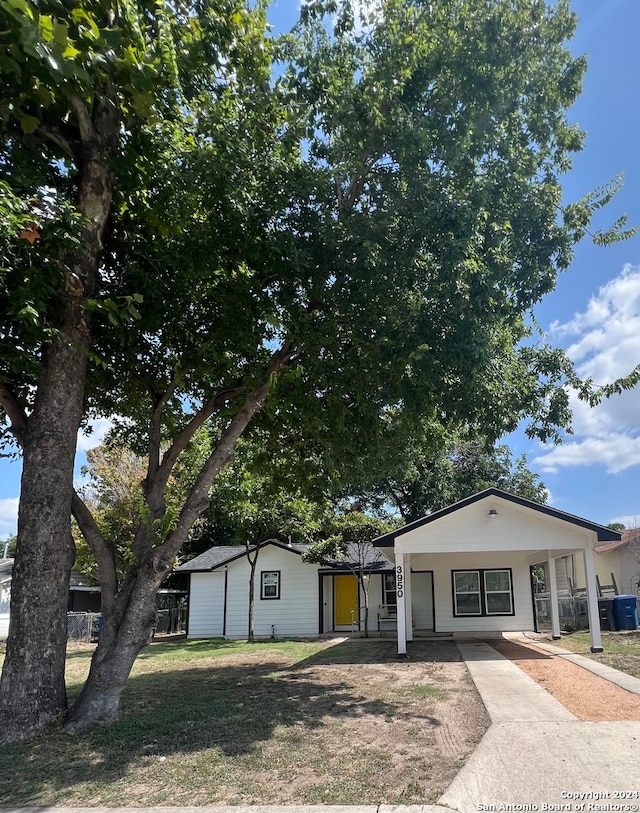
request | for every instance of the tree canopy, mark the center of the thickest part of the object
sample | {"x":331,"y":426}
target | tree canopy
{"x":331,"y":232}
{"x":429,"y":475}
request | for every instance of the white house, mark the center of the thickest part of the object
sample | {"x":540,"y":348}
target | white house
{"x":464,"y":569}
{"x":479,"y":553}
{"x":292,"y":598}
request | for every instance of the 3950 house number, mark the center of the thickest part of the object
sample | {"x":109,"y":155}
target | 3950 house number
{"x":399,"y":581}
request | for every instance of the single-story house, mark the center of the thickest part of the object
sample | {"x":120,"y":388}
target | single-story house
{"x":464,"y":569}
{"x":291,"y":596}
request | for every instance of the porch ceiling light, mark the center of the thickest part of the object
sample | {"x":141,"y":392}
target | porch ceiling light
{"x":492,"y":512}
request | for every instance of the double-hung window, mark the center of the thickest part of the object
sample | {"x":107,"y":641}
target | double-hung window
{"x":389,"y":597}
{"x":269,"y":584}
{"x":482,"y":592}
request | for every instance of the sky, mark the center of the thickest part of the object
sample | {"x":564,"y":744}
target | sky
{"x":594,"y":313}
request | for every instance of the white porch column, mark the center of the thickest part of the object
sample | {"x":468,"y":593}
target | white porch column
{"x":553,"y":597}
{"x":592,"y":601}
{"x":407,"y":600}
{"x":401,"y":618}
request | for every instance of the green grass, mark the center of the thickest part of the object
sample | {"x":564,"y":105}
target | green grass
{"x":621,"y":649}
{"x":220,"y":722}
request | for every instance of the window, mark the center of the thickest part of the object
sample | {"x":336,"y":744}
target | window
{"x":389,"y":597}
{"x":482,"y":592}
{"x":269,"y":584}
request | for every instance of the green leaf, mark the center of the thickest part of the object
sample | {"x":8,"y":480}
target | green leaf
{"x":29,"y":123}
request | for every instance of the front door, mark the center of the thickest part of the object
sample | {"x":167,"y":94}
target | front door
{"x":346,"y":599}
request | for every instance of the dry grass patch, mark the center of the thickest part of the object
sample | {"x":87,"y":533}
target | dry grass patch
{"x":621,"y":649}
{"x":273,"y":723}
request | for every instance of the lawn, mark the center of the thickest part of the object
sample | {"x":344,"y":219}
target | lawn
{"x":621,"y":649}
{"x":218,"y":722}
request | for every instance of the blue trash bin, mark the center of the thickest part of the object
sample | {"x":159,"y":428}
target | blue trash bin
{"x":625,"y":612}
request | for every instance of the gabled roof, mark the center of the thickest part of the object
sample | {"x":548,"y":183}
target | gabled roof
{"x":627,"y":535}
{"x":221,"y":555}
{"x":372,"y":560}
{"x":603,"y":534}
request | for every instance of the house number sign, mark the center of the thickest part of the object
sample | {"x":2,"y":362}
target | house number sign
{"x":399,"y":581}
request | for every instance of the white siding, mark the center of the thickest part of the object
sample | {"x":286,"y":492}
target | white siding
{"x":206,"y":605}
{"x":295,"y":613}
{"x":4,"y":626}
{"x":443,"y":592}
{"x":514,"y":528}
{"x":422,"y":600}
{"x":629,"y":572}
{"x":327,"y":598}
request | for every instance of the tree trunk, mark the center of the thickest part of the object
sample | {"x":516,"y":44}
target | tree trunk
{"x":252,"y":581}
{"x":32,"y":687}
{"x":120,"y":643}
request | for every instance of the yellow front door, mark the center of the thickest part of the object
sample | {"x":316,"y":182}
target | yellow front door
{"x":346,"y":600}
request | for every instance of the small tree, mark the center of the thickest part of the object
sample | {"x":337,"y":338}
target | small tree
{"x":350,"y":544}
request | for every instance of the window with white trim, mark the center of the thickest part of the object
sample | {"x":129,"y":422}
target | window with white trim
{"x":269,"y":584}
{"x":389,"y":597}
{"x":482,"y":592}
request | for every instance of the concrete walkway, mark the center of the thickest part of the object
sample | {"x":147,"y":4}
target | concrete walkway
{"x":536,"y":755}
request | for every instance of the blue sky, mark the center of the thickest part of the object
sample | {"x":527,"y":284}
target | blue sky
{"x":594,"y":313}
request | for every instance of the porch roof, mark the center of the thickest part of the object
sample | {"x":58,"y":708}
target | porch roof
{"x":603,"y":534}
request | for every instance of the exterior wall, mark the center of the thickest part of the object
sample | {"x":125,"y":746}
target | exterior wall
{"x":445,"y":621}
{"x":620,"y":562}
{"x":514,"y":528}
{"x":294,"y":613}
{"x":327,"y":599}
{"x":375,"y":600}
{"x":629,"y":573}
{"x":206,"y":605}
{"x":422,"y":600}
{"x":566,"y":572}
{"x":5,"y":599}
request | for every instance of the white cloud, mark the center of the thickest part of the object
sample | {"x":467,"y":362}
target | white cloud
{"x":606,"y":346}
{"x":91,"y":439}
{"x":629,"y":521}
{"x":8,"y":516}
{"x":616,"y":451}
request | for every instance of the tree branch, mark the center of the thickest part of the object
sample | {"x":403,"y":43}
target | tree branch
{"x":85,"y":124}
{"x":102,"y":550}
{"x":16,"y":413}
{"x":198,"y":498}
{"x":54,"y":135}
{"x":157,"y":480}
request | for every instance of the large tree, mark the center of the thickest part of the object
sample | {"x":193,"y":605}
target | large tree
{"x":358,"y":233}
{"x":432,"y":472}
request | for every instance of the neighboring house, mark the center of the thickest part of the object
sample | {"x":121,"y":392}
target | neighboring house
{"x":292,"y":598}
{"x":616,"y":564}
{"x":84,"y":595}
{"x":84,"y":598}
{"x":479,"y":553}
{"x":621,"y":560}
{"x":6,"y":567}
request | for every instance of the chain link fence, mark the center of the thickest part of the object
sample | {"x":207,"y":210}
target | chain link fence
{"x":83,"y":626}
{"x":87,"y":626}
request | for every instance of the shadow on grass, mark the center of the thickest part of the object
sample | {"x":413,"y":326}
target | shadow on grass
{"x":231,"y":709}
{"x":513,"y":651}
